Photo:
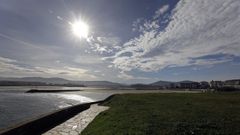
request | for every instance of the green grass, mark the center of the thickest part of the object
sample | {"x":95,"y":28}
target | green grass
{"x":159,"y":114}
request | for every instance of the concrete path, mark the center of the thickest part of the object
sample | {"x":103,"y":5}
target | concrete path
{"x":76,"y":124}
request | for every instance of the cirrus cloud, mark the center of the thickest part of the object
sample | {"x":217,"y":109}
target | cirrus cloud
{"x":196,"y":29}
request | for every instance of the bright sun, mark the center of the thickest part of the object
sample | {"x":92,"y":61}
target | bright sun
{"x":80,"y":29}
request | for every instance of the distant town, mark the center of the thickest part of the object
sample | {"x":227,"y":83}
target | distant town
{"x":214,"y":85}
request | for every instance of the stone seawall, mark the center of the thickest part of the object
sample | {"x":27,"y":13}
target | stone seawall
{"x":46,"y":122}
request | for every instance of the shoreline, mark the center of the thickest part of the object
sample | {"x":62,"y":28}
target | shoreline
{"x":35,"y":123}
{"x":45,"y":122}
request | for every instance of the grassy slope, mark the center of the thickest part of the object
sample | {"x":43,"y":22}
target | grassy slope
{"x":154,"y":114}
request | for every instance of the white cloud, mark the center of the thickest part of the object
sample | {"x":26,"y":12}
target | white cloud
{"x":88,"y":59}
{"x":211,"y":61}
{"x":105,"y":44}
{"x":136,"y":24}
{"x":161,"y":11}
{"x":142,"y":25}
{"x":14,"y":68}
{"x":59,"y":18}
{"x":197,"y":29}
{"x":109,"y":41}
{"x":66,"y":72}
{"x":125,"y":76}
{"x":6,"y":60}
{"x":9,"y":65}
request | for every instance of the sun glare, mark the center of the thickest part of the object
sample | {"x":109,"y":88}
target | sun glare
{"x":80,"y":29}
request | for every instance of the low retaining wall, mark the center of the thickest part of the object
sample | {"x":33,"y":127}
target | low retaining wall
{"x":46,"y":122}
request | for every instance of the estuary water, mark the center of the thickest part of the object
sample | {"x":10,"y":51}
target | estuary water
{"x":16,"y":106}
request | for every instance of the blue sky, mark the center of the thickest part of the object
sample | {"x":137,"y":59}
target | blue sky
{"x":129,"y":41}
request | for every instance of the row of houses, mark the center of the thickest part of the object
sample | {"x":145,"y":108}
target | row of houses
{"x":206,"y":85}
{"x":188,"y":85}
{"x":194,"y":85}
{"x":228,"y":83}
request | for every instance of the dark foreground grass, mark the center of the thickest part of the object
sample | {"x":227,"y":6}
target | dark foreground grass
{"x":158,"y":114}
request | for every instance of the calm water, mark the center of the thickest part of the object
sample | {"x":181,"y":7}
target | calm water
{"x":17,"y":106}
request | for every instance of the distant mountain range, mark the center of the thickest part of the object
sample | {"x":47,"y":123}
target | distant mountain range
{"x":56,"y":80}
{"x":63,"y":81}
{"x":161,"y":83}
{"x":172,"y":85}
{"x":168,"y":83}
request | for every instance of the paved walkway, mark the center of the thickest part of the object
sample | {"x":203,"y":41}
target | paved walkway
{"x":76,"y":124}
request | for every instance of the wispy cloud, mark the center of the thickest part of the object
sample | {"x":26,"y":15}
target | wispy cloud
{"x":16,"y":40}
{"x":10,"y":65}
{"x":69,"y":72}
{"x":197,"y":28}
{"x":104,"y":44}
{"x":126,"y":76}
{"x":159,"y":18}
{"x":17,"y":69}
{"x":161,"y":11}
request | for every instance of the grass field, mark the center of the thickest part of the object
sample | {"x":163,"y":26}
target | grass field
{"x":159,"y":114}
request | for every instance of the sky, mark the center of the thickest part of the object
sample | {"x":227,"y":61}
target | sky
{"x":129,"y":41}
